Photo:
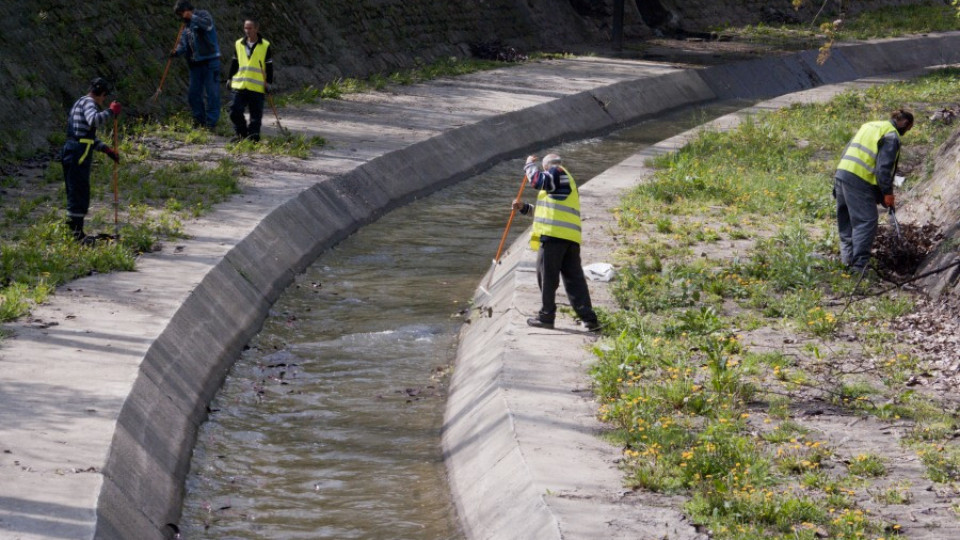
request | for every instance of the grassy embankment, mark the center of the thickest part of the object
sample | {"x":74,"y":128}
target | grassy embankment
{"x":698,"y":406}
{"x":36,"y":253}
{"x":881,"y":23}
{"x":442,"y":68}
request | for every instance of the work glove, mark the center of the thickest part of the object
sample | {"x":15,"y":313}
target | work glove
{"x":888,"y":201}
{"x":112,"y":154}
{"x":115,"y":108}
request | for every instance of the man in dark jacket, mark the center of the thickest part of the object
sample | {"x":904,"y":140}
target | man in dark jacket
{"x":864,"y":178}
{"x":82,"y":123}
{"x":199,"y":45}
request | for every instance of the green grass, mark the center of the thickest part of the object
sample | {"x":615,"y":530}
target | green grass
{"x":337,"y":88}
{"x":671,"y":373}
{"x":37,"y":252}
{"x":884,"y":22}
{"x":867,"y":465}
{"x":942,"y":462}
{"x":284,"y":144}
{"x":901,"y":20}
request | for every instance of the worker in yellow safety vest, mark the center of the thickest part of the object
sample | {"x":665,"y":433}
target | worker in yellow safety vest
{"x":557,"y":237}
{"x":864,"y":179}
{"x":251,"y":74}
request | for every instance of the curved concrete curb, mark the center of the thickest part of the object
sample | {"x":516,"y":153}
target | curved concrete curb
{"x":522,"y":444}
{"x":101,"y":412}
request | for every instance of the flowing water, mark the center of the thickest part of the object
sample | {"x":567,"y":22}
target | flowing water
{"x":328,"y":426}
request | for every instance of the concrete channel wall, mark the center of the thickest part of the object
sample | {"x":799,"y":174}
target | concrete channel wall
{"x":185,"y":365}
{"x":165,"y":395}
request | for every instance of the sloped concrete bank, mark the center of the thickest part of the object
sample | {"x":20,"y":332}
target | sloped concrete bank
{"x":101,"y":411}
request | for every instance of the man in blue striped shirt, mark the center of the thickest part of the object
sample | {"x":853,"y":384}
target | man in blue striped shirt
{"x":82,"y":123}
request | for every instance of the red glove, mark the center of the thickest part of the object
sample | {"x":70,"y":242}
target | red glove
{"x":888,"y":201}
{"x":112,"y":153}
{"x":115,"y":108}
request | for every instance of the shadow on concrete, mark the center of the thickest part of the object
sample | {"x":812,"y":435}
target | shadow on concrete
{"x":31,"y":404}
{"x":94,"y":341}
{"x":32,"y":516}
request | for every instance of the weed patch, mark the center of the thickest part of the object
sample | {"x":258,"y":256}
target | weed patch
{"x":37,"y":252}
{"x":685,"y":361}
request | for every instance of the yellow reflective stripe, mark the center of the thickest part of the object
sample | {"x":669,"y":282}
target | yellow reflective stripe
{"x":241,"y":80}
{"x":555,"y":223}
{"x":89,"y":143}
{"x":858,"y":161}
{"x":559,"y":207}
{"x":871,"y":153}
{"x":256,"y":72}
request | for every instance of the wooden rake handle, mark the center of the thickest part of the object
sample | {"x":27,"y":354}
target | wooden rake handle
{"x":116,"y":176}
{"x":513,"y":212}
{"x":169,"y":59}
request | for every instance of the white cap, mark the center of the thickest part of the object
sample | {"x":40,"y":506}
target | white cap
{"x":550,"y":159}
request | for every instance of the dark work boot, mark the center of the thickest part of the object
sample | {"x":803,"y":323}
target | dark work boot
{"x":592,"y":326}
{"x":537,"y":323}
{"x":76,"y":227}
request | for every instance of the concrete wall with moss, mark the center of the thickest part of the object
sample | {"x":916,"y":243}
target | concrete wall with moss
{"x":52,"y":48}
{"x":704,"y":16}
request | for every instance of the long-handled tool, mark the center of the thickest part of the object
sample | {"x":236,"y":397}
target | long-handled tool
{"x":270,"y":101}
{"x":116,"y":180}
{"x":176,"y":44}
{"x":275,"y":115}
{"x":892,"y":218}
{"x":503,"y":239}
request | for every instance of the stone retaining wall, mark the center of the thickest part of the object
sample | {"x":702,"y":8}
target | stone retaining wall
{"x":52,"y":48}
{"x":699,"y":16}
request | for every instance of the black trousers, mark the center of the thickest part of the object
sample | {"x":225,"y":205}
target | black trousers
{"x":560,"y":259}
{"x":76,"y":177}
{"x":243,"y":99}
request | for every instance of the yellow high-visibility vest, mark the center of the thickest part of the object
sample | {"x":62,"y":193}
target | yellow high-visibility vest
{"x":251,"y":75}
{"x":860,"y":156}
{"x":557,"y":218}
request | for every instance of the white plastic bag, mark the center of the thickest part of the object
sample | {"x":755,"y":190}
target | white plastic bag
{"x":598,"y":271}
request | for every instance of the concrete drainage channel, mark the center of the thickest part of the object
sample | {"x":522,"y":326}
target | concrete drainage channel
{"x":147,"y":412}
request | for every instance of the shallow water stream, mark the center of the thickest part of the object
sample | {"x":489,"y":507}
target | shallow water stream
{"x":328,"y":426}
